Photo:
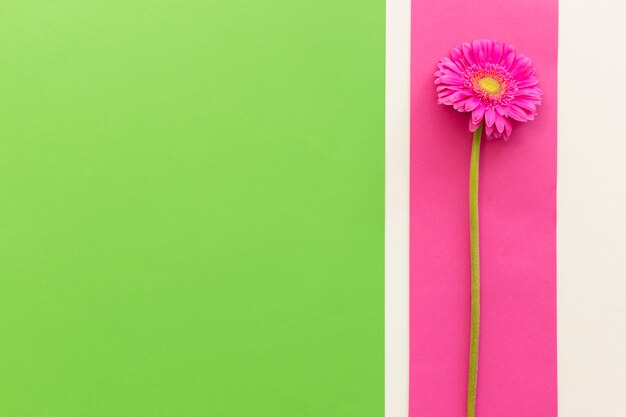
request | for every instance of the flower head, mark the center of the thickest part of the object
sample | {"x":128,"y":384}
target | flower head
{"x":493,"y":82}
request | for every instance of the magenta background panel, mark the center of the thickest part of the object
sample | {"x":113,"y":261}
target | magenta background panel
{"x":517,"y":365}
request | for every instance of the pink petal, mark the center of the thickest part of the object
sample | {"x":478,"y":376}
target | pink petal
{"x":459,"y":104}
{"x":520,"y":61}
{"x":457,"y":56}
{"x":478,"y":113}
{"x":479,"y":54}
{"x":487,"y":48}
{"x":516,"y":113}
{"x":467,"y":53}
{"x":501,"y":110}
{"x":471,"y":103}
{"x":500,"y":123}
{"x":489,"y":130}
{"x":497,"y":53}
{"x":473,"y":127}
{"x":447,"y":87}
{"x":449,"y":79}
{"x":508,"y":54}
{"x":526,"y":105}
{"x":458,"y":95}
{"x":451,"y":65}
{"x":490,"y":116}
{"x":528,"y":82}
{"x":508,"y":127}
{"x":533,"y":93}
{"x":447,"y":92}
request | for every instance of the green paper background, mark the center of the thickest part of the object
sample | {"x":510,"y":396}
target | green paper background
{"x":191,"y":208}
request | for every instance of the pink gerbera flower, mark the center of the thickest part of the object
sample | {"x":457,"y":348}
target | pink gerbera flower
{"x":488,"y":79}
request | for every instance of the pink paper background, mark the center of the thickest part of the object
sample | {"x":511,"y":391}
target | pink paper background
{"x":517,"y":364}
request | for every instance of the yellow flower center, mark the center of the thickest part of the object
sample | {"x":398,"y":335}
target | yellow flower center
{"x":489,"y":85}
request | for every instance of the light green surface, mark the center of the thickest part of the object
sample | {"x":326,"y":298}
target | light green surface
{"x":191,"y":208}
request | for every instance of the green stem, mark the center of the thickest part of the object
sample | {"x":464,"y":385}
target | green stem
{"x":472,"y":376}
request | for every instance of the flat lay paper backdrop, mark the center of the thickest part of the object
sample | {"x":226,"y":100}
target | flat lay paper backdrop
{"x":191,"y":208}
{"x":517,"y":363}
